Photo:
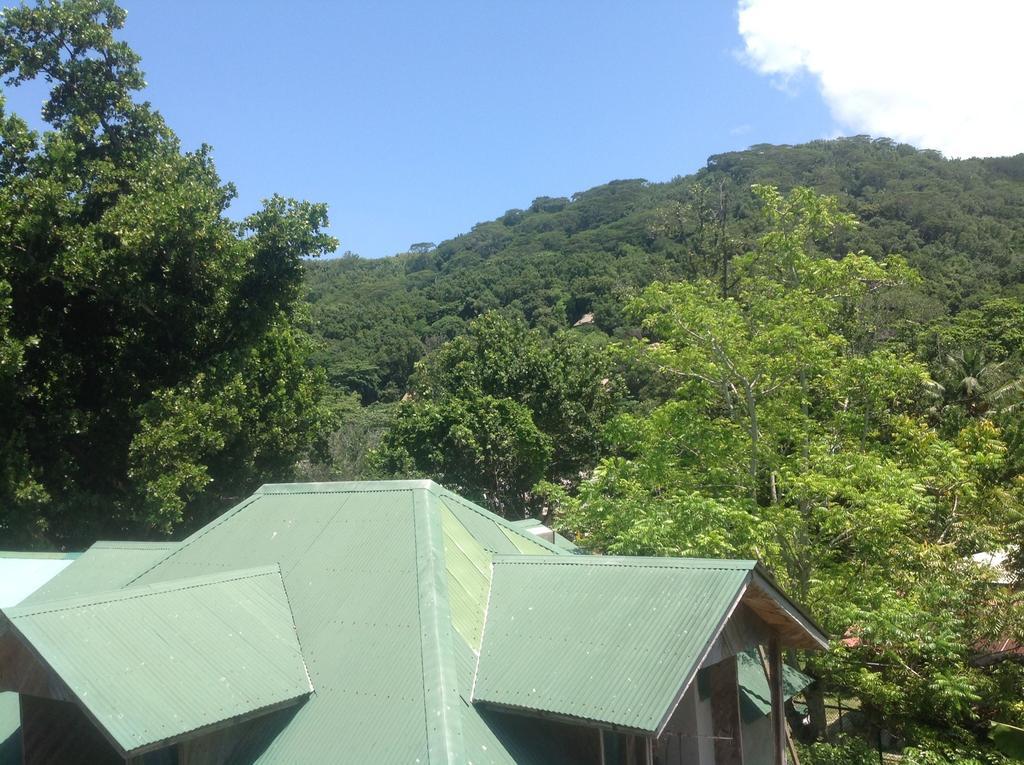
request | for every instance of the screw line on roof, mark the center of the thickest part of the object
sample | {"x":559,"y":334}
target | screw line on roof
{"x":79,"y":602}
{"x":602,"y":560}
{"x":231,"y":513}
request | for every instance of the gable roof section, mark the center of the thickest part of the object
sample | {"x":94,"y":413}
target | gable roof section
{"x":349,"y":557}
{"x":621,"y":637}
{"x":155,"y":664}
{"x":363,"y":564}
{"x":373,"y":590}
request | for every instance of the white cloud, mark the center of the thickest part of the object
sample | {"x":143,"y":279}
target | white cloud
{"x":940,"y":74}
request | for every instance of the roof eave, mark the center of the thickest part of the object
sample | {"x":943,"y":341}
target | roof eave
{"x":814,"y":638}
{"x":206,"y":729}
{"x":688,"y":680}
{"x":64,"y":690}
{"x":586,"y":722}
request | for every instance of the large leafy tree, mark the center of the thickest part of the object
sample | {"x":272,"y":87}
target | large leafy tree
{"x":150,"y":358}
{"x":786,"y":441}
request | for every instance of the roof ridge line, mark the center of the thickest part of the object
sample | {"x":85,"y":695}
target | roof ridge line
{"x":443,"y":722}
{"x":344,"y":487}
{"x":199,"y":534}
{"x":142,"y":591}
{"x":479,"y":651}
{"x":295,"y":627}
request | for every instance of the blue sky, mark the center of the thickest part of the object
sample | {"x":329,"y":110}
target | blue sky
{"x":416,"y":120}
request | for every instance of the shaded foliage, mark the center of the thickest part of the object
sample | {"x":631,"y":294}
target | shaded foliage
{"x":150,"y":357}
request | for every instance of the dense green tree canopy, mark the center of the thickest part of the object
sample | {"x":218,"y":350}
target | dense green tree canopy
{"x":149,"y":354}
{"x":784,"y":441}
{"x":500,"y":408}
{"x":774,"y":413}
{"x":958,"y":223}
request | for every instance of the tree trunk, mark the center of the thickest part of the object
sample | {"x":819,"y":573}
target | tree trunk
{"x":815,"y":696}
{"x":755,"y":437}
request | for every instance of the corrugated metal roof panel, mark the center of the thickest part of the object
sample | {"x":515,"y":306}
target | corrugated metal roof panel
{"x":483,"y":529}
{"x":492,"y":531}
{"x":524,"y":544}
{"x":104,"y":566}
{"x":468,"y":566}
{"x":619,"y":636}
{"x":152,"y":663}
{"x":496,"y":738}
{"x":754,"y":688}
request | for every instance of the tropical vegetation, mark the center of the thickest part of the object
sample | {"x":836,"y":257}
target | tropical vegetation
{"x":812,"y":355}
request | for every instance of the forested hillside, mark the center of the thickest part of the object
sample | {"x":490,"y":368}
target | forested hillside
{"x":810,"y":355}
{"x":959,"y":223}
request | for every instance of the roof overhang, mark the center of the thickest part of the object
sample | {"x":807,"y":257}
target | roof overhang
{"x":792,"y":624}
{"x":154,"y":665}
{"x":634,"y":676}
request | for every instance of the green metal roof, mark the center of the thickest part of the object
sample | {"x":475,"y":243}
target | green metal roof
{"x":352,"y":561}
{"x":153,"y":662}
{"x":104,"y":566}
{"x":390,"y":584}
{"x":754,"y":690}
{"x":620,"y":637}
{"x":468,"y":567}
{"x":371,"y":571}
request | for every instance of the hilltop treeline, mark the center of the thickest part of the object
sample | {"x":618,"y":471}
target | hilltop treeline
{"x":959,"y":223}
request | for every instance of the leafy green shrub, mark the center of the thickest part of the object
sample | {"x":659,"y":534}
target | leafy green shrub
{"x":847,"y":750}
